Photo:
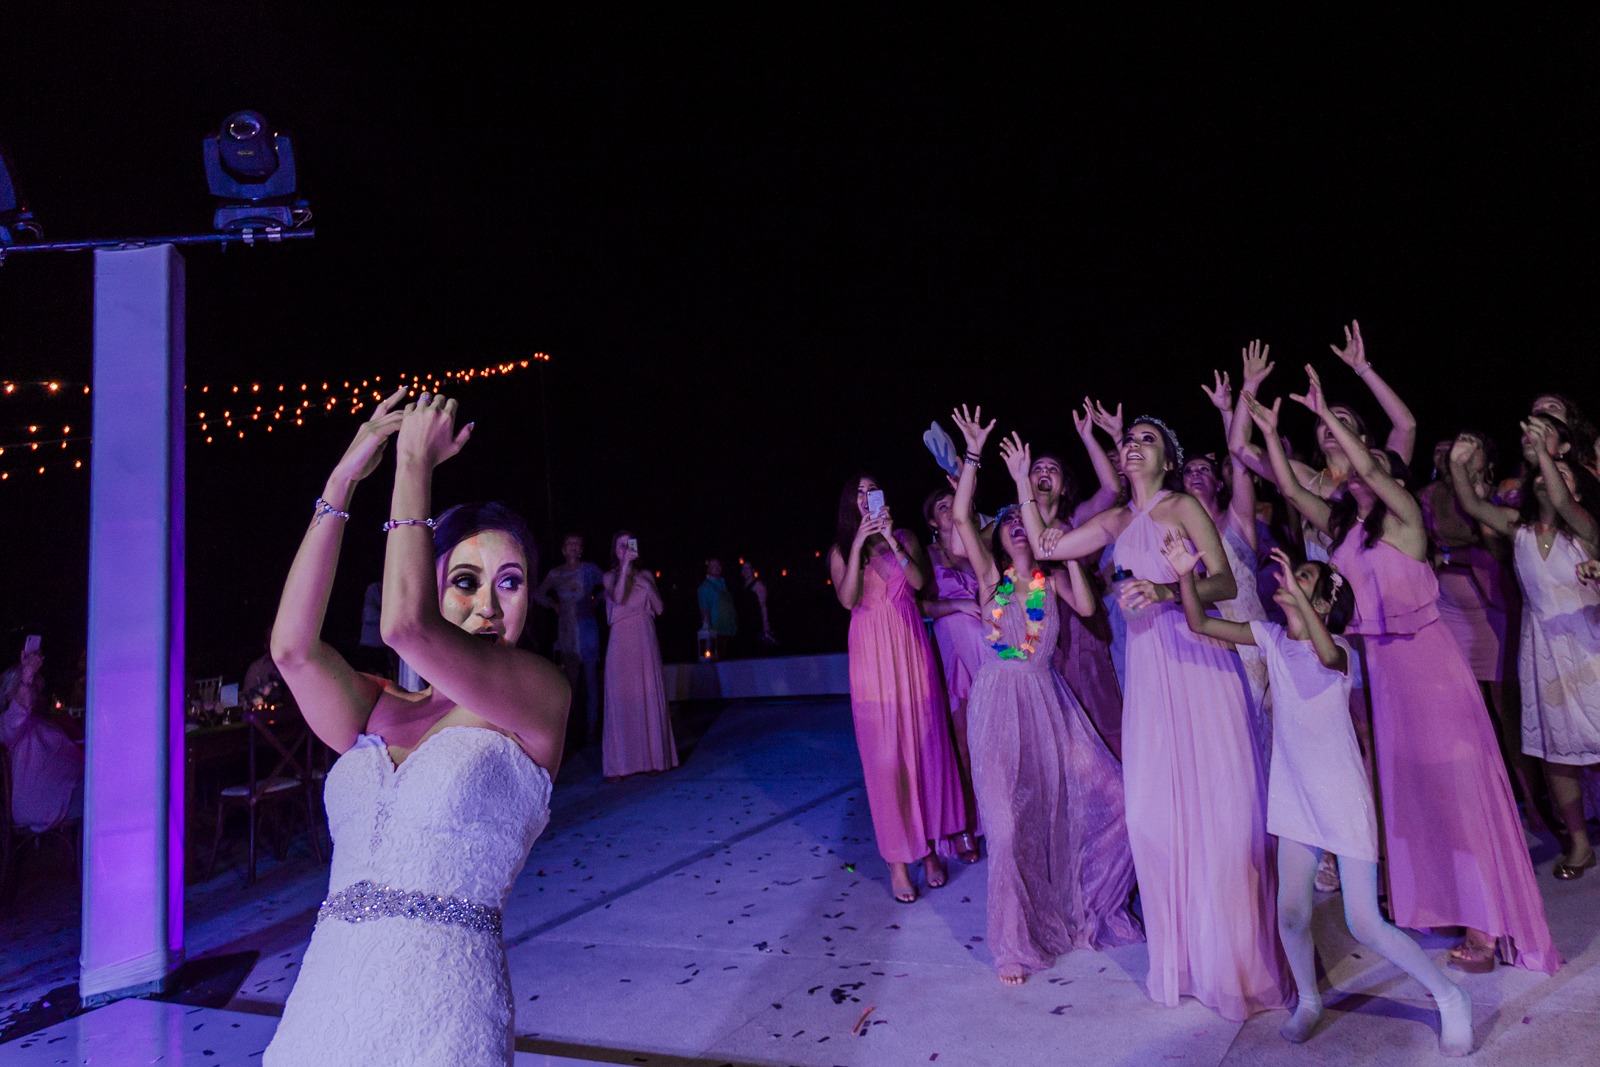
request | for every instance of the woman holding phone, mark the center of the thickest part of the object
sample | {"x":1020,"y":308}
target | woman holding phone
{"x":913,"y":786}
{"x":638,"y":726}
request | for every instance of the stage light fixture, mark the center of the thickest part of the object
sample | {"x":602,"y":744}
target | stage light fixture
{"x":16,"y":221}
{"x":250,"y":169}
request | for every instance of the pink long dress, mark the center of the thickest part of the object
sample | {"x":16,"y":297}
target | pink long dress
{"x":913,"y":785}
{"x":1197,"y":794}
{"x":1050,"y":794}
{"x":1457,"y":855}
{"x":1083,"y":659}
{"x":638,"y":726}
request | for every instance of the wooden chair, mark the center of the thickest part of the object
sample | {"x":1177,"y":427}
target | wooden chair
{"x":289,"y":783}
{"x":13,"y":838}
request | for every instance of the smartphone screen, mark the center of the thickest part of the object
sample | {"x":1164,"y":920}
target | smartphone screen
{"x":32,"y":644}
{"x":874,"y":501}
{"x":633,"y":544}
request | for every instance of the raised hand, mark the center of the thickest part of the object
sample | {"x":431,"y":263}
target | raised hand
{"x":1256,"y":366}
{"x":366,"y":451}
{"x":1084,"y":423}
{"x":1464,"y":450}
{"x":1017,"y":456}
{"x":1109,"y":421}
{"x":1178,"y":554}
{"x":1589,"y":571}
{"x":1221,"y":393}
{"x":971,"y":426}
{"x":1543,"y":438}
{"x":1286,"y":578}
{"x":428,"y":432}
{"x":1262,"y":416}
{"x":1313,"y":397}
{"x":1354,"y":353}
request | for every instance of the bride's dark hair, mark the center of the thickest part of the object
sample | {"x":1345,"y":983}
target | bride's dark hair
{"x":464,"y":520}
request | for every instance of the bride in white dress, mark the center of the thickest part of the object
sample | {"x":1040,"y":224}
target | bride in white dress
{"x":437,"y":796}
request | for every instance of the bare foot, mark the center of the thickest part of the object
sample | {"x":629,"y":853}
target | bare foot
{"x":933,"y":871}
{"x":1011,"y":974}
{"x":900,"y":884}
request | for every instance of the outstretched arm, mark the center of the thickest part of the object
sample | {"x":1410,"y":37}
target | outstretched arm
{"x":1396,"y":497}
{"x":1502,"y":521}
{"x":1577,"y":517}
{"x":1072,"y":585}
{"x":1104,"y":471}
{"x":1194,"y":611}
{"x":1309,"y":504}
{"x":509,"y":687}
{"x":1402,"y":424}
{"x":975,"y":433}
{"x":335,"y":698}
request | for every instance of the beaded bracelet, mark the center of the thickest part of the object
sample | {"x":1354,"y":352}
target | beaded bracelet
{"x":393,"y":523}
{"x":322,"y":507}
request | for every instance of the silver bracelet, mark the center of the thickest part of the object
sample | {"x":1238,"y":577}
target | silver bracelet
{"x":322,"y":507}
{"x":395,"y":523}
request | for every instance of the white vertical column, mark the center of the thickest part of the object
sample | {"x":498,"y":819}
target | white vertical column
{"x":133,"y":799}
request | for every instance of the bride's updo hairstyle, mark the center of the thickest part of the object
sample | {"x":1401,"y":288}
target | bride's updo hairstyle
{"x":465,"y":520}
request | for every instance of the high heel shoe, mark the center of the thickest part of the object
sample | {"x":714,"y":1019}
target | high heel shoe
{"x":1474,"y":959}
{"x":1569,"y":872}
{"x":966,"y":847}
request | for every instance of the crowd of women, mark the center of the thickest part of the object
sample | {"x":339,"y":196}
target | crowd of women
{"x":1175,"y":708}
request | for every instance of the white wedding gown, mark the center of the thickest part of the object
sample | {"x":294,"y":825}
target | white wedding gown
{"x":406,"y":964}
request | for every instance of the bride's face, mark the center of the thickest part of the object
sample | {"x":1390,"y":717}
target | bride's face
{"x":483,"y":586}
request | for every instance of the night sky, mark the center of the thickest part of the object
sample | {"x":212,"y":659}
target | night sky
{"x":766,"y":244}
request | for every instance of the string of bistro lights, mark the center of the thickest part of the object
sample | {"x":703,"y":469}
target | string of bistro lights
{"x":229,"y":412}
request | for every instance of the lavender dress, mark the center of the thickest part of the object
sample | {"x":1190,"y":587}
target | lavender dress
{"x":1050,"y":797}
{"x":1196,"y":788}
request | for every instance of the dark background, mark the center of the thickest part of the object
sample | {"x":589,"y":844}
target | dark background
{"x":767,"y":244}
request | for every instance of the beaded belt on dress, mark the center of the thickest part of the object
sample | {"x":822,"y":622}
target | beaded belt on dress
{"x":366,"y":900}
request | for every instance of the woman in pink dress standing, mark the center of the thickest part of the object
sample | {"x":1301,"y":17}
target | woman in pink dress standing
{"x":1195,"y":780}
{"x":638,"y":725}
{"x":913,"y":785}
{"x":1456,"y":851}
{"x":958,"y":633}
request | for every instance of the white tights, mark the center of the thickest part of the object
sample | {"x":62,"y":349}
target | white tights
{"x":1297,"y":872}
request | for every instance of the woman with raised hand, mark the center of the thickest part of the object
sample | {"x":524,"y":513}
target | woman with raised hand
{"x":1326,"y":481}
{"x":638,"y":724}
{"x":958,"y":633}
{"x":1319,"y":797}
{"x":913,"y":785}
{"x":1049,"y":790}
{"x":1558,"y":660}
{"x":1194,"y":777}
{"x":437,"y":795}
{"x":1456,"y":853}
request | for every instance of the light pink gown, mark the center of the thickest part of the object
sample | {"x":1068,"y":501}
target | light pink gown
{"x":902,"y":731}
{"x":1196,"y":804}
{"x":638,"y":724}
{"x":1457,"y":855}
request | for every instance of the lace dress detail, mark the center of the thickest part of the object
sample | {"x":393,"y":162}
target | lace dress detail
{"x":414,"y":981}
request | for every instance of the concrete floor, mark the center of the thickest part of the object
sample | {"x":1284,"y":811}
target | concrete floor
{"x":734,"y":911}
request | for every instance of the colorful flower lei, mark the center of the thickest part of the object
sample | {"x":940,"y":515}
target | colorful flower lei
{"x":1035,"y":607}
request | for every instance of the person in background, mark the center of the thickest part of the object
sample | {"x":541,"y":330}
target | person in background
{"x":373,"y":655}
{"x":262,"y":682}
{"x":753,"y":594}
{"x":638,"y":730}
{"x":46,"y":766}
{"x":718,"y":617}
{"x":573,"y":591}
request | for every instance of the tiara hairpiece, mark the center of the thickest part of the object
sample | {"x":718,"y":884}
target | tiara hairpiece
{"x":1336,"y":580}
{"x":1166,"y":432}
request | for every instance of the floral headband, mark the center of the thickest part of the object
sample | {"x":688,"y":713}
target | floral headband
{"x":1166,"y":432}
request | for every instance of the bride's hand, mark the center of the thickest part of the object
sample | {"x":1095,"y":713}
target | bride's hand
{"x":428,"y":433}
{"x":366,"y":451}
